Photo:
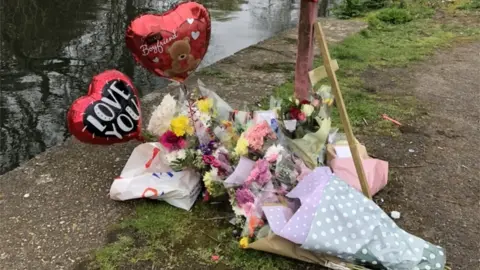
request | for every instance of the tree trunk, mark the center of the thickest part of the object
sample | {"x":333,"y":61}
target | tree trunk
{"x":308,"y":16}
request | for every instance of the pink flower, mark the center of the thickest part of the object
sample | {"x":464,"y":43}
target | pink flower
{"x":272,"y":158}
{"x":256,"y":135}
{"x":316,"y":103}
{"x":172,"y":142}
{"x":302,"y":117}
{"x":244,"y":196}
{"x":250,"y":209}
{"x":260,"y":173}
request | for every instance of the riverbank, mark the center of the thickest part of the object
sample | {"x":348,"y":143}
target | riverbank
{"x":50,"y":52}
{"x":55,"y":207}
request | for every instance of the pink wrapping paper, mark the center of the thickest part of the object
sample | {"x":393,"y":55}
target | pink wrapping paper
{"x":376,"y":172}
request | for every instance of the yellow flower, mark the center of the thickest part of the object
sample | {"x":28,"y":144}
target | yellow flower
{"x":204,"y":105}
{"x":244,"y":242}
{"x":181,"y":125}
{"x":242,"y":147}
{"x":328,"y":101}
{"x":207,"y":179}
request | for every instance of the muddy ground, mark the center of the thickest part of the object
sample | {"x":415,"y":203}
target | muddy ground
{"x":435,"y":163}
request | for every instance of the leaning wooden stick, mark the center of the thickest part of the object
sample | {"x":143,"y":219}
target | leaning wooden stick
{"x":352,"y":142}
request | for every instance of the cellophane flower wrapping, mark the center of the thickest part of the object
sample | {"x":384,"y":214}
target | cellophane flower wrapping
{"x":306,"y":125}
{"x":337,"y":220}
{"x":268,"y":164}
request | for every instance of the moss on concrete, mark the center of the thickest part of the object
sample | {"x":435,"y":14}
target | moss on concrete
{"x":284,"y":67}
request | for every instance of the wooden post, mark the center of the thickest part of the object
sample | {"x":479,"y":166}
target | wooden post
{"x":352,"y":142}
{"x":305,"y":44}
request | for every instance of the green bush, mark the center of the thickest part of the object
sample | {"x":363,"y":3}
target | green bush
{"x":394,"y":16}
{"x":356,"y":8}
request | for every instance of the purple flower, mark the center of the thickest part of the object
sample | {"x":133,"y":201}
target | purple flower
{"x":244,"y":196}
{"x":207,"y":148}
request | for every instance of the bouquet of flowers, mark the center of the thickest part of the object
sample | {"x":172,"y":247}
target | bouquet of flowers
{"x":259,"y":183}
{"x":174,"y":126}
{"x":192,"y":143}
{"x":306,"y":125}
{"x":253,"y":142}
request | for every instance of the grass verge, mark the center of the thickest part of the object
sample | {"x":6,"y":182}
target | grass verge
{"x":383,"y":46}
{"x":160,"y":236}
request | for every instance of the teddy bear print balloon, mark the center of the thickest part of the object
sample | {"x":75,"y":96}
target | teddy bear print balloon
{"x":172,"y":44}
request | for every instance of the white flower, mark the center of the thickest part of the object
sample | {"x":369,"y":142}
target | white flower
{"x":274,"y":151}
{"x":175,"y":155}
{"x":307,"y":109}
{"x":162,"y":115}
{"x":205,"y":119}
{"x":297,"y":101}
{"x":171,"y":157}
{"x":181,"y":154}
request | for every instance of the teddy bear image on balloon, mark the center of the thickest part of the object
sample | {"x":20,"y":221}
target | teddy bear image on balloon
{"x":182,"y":60}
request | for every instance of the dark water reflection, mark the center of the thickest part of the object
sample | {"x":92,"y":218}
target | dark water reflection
{"x":51,"y":49}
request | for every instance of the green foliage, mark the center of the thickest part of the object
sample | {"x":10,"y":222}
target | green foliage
{"x":357,"y":8}
{"x":107,"y":257}
{"x":389,"y":16}
{"x":394,"y":15}
{"x":471,"y":5}
{"x":192,"y":160}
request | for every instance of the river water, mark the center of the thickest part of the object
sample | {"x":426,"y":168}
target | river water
{"x":50,"y":49}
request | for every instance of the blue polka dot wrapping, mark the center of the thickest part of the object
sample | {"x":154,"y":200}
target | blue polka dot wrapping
{"x":337,"y":220}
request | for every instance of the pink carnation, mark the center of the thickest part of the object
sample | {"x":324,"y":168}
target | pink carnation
{"x":256,"y":135}
{"x":260,"y":173}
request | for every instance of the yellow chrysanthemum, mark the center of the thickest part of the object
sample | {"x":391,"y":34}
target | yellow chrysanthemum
{"x":204,"y":105}
{"x":181,"y":125}
{"x":328,"y":101}
{"x":244,"y":242}
{"x":242,"y":147}
{"x":207,"y":178}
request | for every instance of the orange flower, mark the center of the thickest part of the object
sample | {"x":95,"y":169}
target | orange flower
{"x":253,"y":223}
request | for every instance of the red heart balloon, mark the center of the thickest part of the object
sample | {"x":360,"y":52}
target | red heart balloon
{"x":172,"y":44}
{"x":109,"y":113}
